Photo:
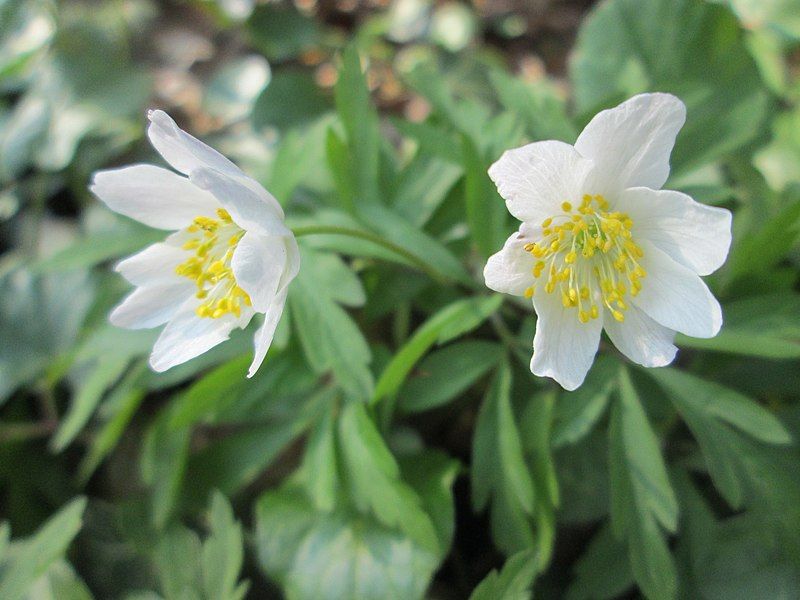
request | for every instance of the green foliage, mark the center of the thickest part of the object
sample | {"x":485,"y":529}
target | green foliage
{"x":394,"y":444}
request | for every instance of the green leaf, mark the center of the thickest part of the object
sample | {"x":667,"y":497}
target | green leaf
{"x":445,"y":374}
{"x":178,"y":559}
{"x":397,"y":230}
{"x":86,"y":398}
{"x":281,"y":32}
{"x":291,"y":99}
{"x":629,"y":46}
{"x":360,"y":122}
{"x":423,"y":186}
{"x":165,"y":452}
{"x":223,"y":553}
{"x":724,"y":404}
{"x":319,"y":471}
{"x":499,"y":469}
{"x":641,"y":494}
{"x":485,"y":209}
{"x":209,"y":394}
{"x":432,"y":474}
{"x":97,"y":248}
{"x":450,"y":322}
{"x":764,"y":326}
{"x":603,"y":571}
{"x":577,"y":412}
{"x":373,"y":477}
{"x":514,"y":582}
{"x":540,"y":107}
{"x":326,"y":556}
{"x":330,"y":339}
{"x":709,"y":410}
{"x":35,"y":555}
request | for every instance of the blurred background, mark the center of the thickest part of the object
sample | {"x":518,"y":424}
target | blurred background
{"x":446,"y":87}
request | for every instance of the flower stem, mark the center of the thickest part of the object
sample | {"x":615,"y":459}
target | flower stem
{"x":409,"y":257}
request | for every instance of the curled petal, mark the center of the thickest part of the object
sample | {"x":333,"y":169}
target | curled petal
{"x":509,"y":271}
{"x":266,"y":332}
{"x":248,"y":208}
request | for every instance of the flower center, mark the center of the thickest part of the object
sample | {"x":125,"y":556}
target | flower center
{"x":589,"y":257}
{"x":213,"y":242}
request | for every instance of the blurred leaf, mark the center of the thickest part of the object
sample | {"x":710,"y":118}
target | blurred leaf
{"x":25,"y":28}
{"x":641,"y":494}
{"x":281,"y":32}
{"x":629,"y":46}
{"x":514,"y":582}
{"x":233,"y":91}
{"x":37,"y":322}
{"x":603,"y":571}
{"x":781,"y":15}
{"x":765,"y":247}
{"x":485,"y":209}
{"x":32,"y":557}
{"x":539,"y":106}
{"x":290,"y":99}
{"x":321,"y":556}
{"x":447,"y":373}
{"x":165,"y":452}
{"x":423,"y":186}
{"x":779,"y":161}
{"x":319,"y":471}
{"x":360,"y":122}
{"x":450,"y":322}
{"x":223,"y":553}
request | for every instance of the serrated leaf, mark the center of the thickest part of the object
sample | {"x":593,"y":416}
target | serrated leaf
{"x":373,"y":477}
{"x":37,"y":553}
{"x":326,"y":556}
{"x":513,"y":582}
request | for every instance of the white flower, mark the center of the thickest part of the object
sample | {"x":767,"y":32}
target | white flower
{"x":602,"y":246}
{"x":231,"y":255}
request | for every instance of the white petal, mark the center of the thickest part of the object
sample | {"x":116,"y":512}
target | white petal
{"x":184,"y":152}
{"x":631,"y":143}
{"x":258,"y":263}
{"x":676,"y":297}
{"x":152,"y":195}
{"x":188,"y":154}
{"x":153,"y":265}
{"x":563,"y":347}
{"x":264,"y":335}
{"x":187,"y":335}
{"x":509,"y":271}
{"x":249,"y":209}
{"x":641,"y":339}
{"x":695,"y":235}
{"x":292,"y":262}
{"x":151,"y":306}
{"x":536,"y":179}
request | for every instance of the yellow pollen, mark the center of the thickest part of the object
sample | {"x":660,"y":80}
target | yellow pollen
{"x":591,"y":258}
{"x":210,"y":265}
